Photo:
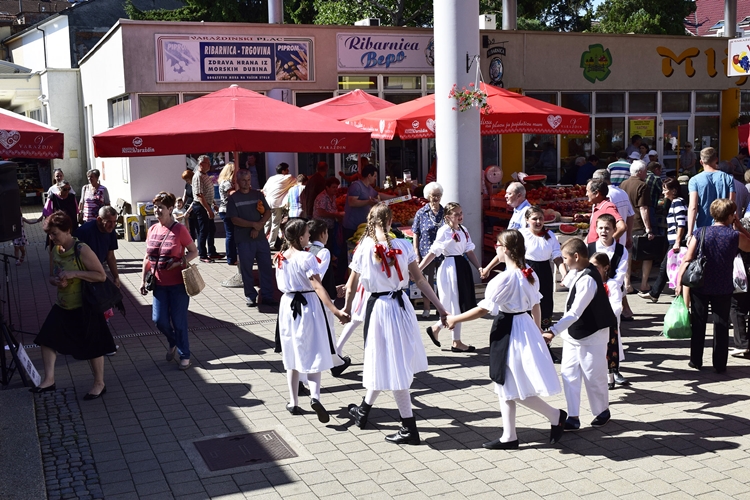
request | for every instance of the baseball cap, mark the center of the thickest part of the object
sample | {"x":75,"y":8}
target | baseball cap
{"x":635,"y":155}
{"x":652,"y":152}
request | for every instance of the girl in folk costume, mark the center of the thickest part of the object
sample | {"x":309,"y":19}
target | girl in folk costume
{"x":520,"y":363}
{"x":393,"y":347}
{"x":455,"y":282}
{"x":305,"y":335}
{"x":615,"y":294}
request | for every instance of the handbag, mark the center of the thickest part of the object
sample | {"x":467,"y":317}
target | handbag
{"x":150,"y":278}
{"x":739,"y":275}
{"x":100,"y":296}
{"x":646,"y":249}
{"x":693,"y":275}
{"x":193,"y":280}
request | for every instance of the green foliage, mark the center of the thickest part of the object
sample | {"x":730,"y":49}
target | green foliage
{"x":299,"y":12}
{"x":245,"y":11}
{"x":656,"y":17}
{"x":390,"y":12}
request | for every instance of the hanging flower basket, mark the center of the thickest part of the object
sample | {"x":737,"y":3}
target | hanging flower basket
{"x":472,"y":97}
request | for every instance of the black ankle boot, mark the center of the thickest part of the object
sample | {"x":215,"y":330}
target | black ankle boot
{"x":408,"y":433}
{"x":360,"y":413}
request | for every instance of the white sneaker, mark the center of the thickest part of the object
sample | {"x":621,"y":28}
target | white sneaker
{"x":737,"y":353}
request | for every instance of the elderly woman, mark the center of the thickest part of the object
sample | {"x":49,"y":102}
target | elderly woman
{"x":69,"y":328}
{"x":227,"y":186}
{"x":93,"y":196}
{"x":63,"y":200}
{"x":427,"y":221}
{"x":166,"y":257}
{"x":57,"y":176}
{"x":720,"y":244}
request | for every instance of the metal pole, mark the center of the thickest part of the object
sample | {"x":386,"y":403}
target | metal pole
{"x":730,"y":18}
{"x":510,"y":14}
{"x":275,"y":11}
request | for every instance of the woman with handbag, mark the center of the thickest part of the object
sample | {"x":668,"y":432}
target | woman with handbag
{"x":63,"y":200}
{"x":93,"y":197}
{"x":166,"y":244}
{"x":715,"y":247}
{"x":70,"y":327}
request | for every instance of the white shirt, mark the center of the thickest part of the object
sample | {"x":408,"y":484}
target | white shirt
{"x":540,"y":249}
{"x":518,"y":220}
{"x":585,"y":290}
{"x":449,"y":242}
{"x":622,"y":266}
{"x":615,"y":298}
{"x":371,"y":274}
{"x":56,"y":190}
{"x":293,"y":275}
{"x":510,"y":292}
{"x":324,"y":255}
{"x":276,"y":188}
{"x":621,"y":200}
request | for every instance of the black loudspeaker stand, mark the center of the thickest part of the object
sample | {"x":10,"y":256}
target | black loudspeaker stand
{"x":8,"y":369}
{"x":10,"y":202}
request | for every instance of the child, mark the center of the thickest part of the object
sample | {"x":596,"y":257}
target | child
{"x":393,"y":346}
{"x":520,"y":363}
{"x":293,"y":197}
{"x":455,"y":282}
{"x":19,"y":244}
{"x":179,"y":212}
{"x":304,"y":333}
{"x":584,"y":329}
{"x":614,"y":292}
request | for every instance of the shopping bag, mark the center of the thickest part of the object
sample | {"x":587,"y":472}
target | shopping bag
{"x":739,"y":275}
{"x":674,"y":261}
{"x":677,"y":320}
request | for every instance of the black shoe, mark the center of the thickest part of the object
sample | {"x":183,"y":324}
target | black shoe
{"x":432,"y":336}
{"x":627,"y":318}
{"x":294,"y":410}
{"x":336,"y":371}
{"x":320,"y":411}
{"x":556,"y":431}
{"x":206,"y":260}
{"x":611,"y":385}
{"x":269,"y":302}
{"x":39,"y":390}
{"x":601,"y":419}
{"x":407,"y":434}
{"x":470,"y":348}
{"x":498,"y":445}
{"x":251,"y":302}
{"x":620,"y":380}
{"x":91,"y":397}
{"x":302,"y":390}
{"x":693,"y":365}
{"x":572,"y":424}
{"x":360,"y":413}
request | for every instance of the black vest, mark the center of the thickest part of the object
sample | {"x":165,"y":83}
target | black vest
{"x":613,"y":262}
{"x":597,"y":315}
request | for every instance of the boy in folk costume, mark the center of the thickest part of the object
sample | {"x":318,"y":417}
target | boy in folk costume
{"x":585,"y":329}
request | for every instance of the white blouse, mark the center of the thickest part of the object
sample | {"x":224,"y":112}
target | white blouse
{"x":540,"y":249}
{"x":373,"y":277}
{"x":449,"y":242}
{"x":622,"y":266}
{"x":324,"y":255}
{"x":510,"y":292}
{"x":293,"y":274}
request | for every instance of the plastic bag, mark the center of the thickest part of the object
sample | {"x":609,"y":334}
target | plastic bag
{"x":739,"y":276}
{"x":674,"y":261}
{"x":677,"y":320}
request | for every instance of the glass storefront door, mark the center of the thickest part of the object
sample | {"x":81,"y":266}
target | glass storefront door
{"x":675,"y":130}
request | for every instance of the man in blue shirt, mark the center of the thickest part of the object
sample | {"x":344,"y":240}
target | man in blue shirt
{"x":704,"y":188}
{"x":100,"y":236}
{"x":515,"y":196}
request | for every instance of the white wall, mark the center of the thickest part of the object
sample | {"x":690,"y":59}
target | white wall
{"x":64,"y":113}
{"x":28,"y":50}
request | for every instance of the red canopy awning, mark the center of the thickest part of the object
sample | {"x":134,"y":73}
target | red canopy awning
{"x":22,"y":137}
{"x":352,"y":103}
{"x":232,"y":119}
{"x":511,"y":114}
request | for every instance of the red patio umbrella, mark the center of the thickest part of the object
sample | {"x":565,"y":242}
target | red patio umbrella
{"x":22,"y":137}
{"x":511,"y":114}
{"x":232,"y":119}
{"x":352,"y":103}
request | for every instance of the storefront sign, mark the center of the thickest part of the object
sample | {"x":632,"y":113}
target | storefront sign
{"x":643,"y":127}
{"x":739,"y":54}
{"x":385,"y":53}
{"x":210,"y":58}
{"x":595,"y":63}
{"x":687,"y":56}
{"x":497,"y":69}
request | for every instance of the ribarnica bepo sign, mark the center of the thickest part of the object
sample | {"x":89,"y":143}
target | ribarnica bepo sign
{"x":385,"y":53}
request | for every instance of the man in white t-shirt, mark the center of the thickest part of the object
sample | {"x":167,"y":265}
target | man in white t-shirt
{"x":275,"y":191}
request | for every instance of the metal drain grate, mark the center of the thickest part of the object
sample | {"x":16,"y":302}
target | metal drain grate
{"x":243,"y":450}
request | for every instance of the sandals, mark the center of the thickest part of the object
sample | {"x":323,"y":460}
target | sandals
{"x":185,"y":366}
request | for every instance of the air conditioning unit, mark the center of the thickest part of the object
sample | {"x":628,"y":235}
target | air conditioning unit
{"x":372,"y":21}
{"x":487,"y":22}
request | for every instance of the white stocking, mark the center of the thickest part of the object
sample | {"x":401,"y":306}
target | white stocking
{"x":508,"y":409}
{"x":292,"y":377}
{"x":313,"y":380}
{"x":371,"y":396}
{"x":348,"y":330}
{"x":541,"y":406}
{"x":403,"y":401}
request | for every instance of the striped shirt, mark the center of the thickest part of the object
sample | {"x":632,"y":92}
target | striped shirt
{"x":619,"y":172}
{"x":676,"y":218}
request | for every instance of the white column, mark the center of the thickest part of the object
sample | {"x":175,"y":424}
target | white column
{"x":458,"y":142}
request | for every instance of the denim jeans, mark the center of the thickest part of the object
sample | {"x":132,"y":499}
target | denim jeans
{"x":248,"y":252}
{"x":169,"y":312}
{"x":206,"y":232}
{"x":230,"y":244}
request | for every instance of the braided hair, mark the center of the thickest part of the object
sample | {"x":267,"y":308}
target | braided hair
{"x":448,"y":210}
{"x":380,"y":216}
{"x":515,"y":247}
{"x":293,"y":232}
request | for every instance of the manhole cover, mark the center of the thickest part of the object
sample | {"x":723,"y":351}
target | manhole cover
{"x":243,"y":450}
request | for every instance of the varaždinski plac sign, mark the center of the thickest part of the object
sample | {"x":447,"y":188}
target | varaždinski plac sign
{"x":385,"y":53}
{"x":138,"y":148}
{"x":552,"y":124}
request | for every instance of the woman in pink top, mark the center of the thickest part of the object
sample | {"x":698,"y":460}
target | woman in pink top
{"x":166,"y":244}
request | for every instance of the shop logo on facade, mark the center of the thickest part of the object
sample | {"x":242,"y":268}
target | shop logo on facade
{"x":137,"y":142}
{"x":9,"y":138}
{"x":385,"y":52}
{"x":554,"y":120}
{"x":334,"y":146}
{"x":137,"y":149}
{"x":596,"y":63}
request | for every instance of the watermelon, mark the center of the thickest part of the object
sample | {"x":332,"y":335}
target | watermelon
{"x":568,"y":229}
{"x":549,"y":218}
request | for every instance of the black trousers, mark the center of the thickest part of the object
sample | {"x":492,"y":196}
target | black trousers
{"x":720,"y":305}
{"x":662,"y":279}
{"x":739,"y":314}
{"x":206,"y":232}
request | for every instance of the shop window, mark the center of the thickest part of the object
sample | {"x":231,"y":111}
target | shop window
{"x":645,"y":126}
{"x":401,"y":98}
{"x":540,"y":156}
{"x":190,"y":97}
{"x":302,"y":99}
{"x":402,"y":155}
{"x":119,"y":111}
{"x":642,"y":102}
{"x":402,"y":82}
{"x":675,"y":102}
{"x":490,"y":150}
{"x":38,"y":115}
{"x":358,"y":82}
{"x":430,"y":84}
{"x":150,"y":104}
{"x":609,"y":138}
{"x":579,"y":101}
{"x":707,"y":133}
{"x":706,"y":102}
{"x":745,"y":101}
{"x":549,"y":97}
{"x":610,"y":102}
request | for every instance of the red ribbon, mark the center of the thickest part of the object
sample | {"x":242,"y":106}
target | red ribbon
{"x":456,"y":237}
{"x":318,"y":258}
{"x":279,"y":259}
{"x":527,"y":272}
{"x":606,"y":289}
{"x":384,"y":255}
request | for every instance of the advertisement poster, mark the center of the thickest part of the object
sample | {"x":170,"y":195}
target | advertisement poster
{"x":384,"y":53}
{"x":230,"y":58}
{"x":643,"y":127}
{"x":738,"y":57}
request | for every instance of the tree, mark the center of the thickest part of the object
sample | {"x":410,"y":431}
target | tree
{"x":390,"y":12}
{"x":246,"y":11}
{"x":655,"y":17}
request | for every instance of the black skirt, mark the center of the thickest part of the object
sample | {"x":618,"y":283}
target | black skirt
{"x":76,"y":333}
